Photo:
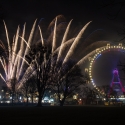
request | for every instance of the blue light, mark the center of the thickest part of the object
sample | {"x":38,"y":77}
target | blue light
{"x":98,"y":56}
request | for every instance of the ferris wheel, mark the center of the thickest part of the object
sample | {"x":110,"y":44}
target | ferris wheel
{"x":99,"y":52}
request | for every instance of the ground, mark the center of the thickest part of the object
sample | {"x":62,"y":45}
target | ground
{"x":61,"y":115}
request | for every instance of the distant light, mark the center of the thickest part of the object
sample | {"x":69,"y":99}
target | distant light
{"x":121,"y":98}
{"x":51,"y":100}
{"x":8,"y":101}
{"x":46,"y":98}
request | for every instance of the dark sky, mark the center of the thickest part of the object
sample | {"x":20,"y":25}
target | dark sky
{"x":19,"y":11}
{"x":16,"y":12}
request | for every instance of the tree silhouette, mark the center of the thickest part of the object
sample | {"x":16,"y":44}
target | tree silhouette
{"x":39,"y":57}
{"x":66,"y":81}
{"x":29,"y":87}
{"x":12,"y":88}
{"x":115,"y":9}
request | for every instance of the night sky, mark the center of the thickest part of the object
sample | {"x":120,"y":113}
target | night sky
{"x":17,"y":12}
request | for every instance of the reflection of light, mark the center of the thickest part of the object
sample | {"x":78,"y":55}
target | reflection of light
{"x":0,"y":96}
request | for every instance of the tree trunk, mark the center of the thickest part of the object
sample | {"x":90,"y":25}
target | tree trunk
{"x":12,"y":98}
{"x":32,"y":99}
{"x":27,"y":100}
{"x":39,"y":104}
{"x":62,"y":101}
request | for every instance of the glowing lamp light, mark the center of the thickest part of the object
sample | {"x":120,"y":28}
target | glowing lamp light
{"x":74,"y":96}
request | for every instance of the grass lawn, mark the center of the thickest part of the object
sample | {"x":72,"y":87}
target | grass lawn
{"x":22,"y":115}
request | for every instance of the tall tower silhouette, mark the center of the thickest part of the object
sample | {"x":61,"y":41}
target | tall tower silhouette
{"x":116,"y":86}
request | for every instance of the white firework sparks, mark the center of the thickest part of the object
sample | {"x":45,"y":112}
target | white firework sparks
{"x":16,"y":66}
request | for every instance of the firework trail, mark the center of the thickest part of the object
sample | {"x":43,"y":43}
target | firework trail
{"x":16,"y":66}
{"x":14,"y":62}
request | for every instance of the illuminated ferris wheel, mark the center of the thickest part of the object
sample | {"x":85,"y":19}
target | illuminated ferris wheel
{"x":99,"y":52}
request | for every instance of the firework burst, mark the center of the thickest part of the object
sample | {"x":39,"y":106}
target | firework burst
{"x":16,"y":66}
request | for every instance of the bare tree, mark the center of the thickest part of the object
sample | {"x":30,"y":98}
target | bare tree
{"x":12,"y":88}
{"x":33,"y":88}
{"x":4,"y":91}
{"x":25,"y":90}
{"x":40,"y":58}
{"x":65,"y":82}
{"x":115,"y":9}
